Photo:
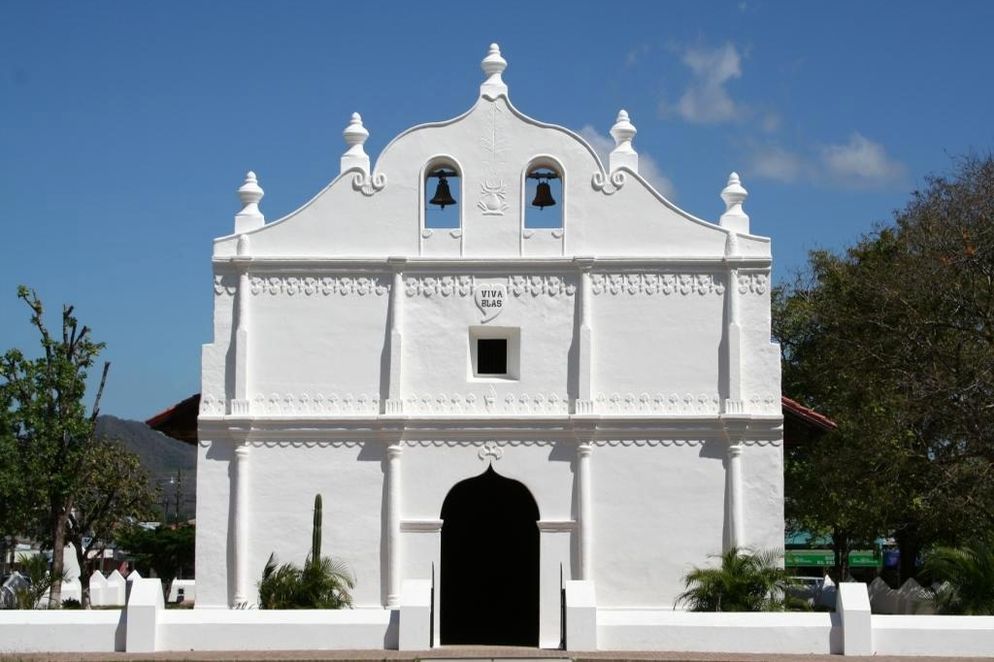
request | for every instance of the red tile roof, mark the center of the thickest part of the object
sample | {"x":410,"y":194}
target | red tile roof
{"x":807,"y":414}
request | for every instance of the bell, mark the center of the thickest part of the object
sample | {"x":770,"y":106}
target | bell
{"x":442,"y":194}
{"x":543,"y":196}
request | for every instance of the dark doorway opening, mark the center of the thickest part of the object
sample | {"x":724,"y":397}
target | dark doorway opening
{"x":489,"y":575}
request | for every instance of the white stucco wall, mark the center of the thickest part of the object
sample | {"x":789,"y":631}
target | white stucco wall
{"x":341,"y":364}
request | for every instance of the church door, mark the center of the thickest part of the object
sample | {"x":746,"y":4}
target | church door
{"x":489,"y":575}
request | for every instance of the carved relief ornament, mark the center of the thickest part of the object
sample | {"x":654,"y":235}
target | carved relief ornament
{"x":656,"y":283}
{"x":319,"y":285}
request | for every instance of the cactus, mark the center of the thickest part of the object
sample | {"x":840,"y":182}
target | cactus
{"x":316,"y":531}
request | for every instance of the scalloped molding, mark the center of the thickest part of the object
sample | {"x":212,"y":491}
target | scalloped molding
{"x":656,"y":283}
{"x":319,"y":285}
{"x":306,"y":443}
{"x":650,"y":443}
{"x":475,"y":443}
{"x":678,"y":443}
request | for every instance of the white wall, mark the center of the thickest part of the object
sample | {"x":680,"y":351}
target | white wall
{"x":933,"y":635}
{"x":301,"y":629}
{"x":63,"y":631}
{"x":322,"y":319}
{"x":664,"y":630}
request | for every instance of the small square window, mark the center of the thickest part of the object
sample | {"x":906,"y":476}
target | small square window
{"x":491,"y":356}
{"x":494,"y":353}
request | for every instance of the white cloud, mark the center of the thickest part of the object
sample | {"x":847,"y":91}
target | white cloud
{"x":706,"y":101}
{"x":860,"y":162}
{"x":648,"y":167}
{"x":777,"y":164}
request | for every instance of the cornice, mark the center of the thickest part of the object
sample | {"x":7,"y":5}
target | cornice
{"x":574,"y":427}
{"x":310,"y":264}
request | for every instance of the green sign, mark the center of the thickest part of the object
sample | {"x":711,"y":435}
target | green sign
{"x":862,"y":558}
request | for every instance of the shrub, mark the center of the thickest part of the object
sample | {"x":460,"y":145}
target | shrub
{"x":966,"y":579}
{"x":745,"y":581}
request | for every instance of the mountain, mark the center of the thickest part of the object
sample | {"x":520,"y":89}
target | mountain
{"x":166,"y":460}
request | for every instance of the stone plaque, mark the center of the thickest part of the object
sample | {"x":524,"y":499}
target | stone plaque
{"x":490,"y":299}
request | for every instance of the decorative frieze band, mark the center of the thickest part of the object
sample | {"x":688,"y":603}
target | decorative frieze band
{"x":751,"y":283}
{"x":211,"y":405}
{"x":444,"y":286}
{"x":225,"y":284}
{"x":656,"y":283}
{"x":765,"y":404}
{"x":674,"y":403}
{"x":464,"y":286}
{"x":537,"y":285}
{"x":518,"y":285}
{"x":319,"y":285}
{"x":524,"y":403}
{"x":277,"y":404}
{"x":539,"y":404}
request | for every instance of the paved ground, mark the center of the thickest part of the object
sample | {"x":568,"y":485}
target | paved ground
{"x":454,"y":653}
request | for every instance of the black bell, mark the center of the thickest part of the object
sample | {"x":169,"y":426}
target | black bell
{"x":443,"y":196}
{"x":543,"y":196}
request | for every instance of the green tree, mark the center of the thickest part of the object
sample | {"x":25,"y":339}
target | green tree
{"x":745,"y":581}
{"x":894,"y":339}
{"x":166,"y":550}
{"x":115,"y":488}
{"x":47,"y":427}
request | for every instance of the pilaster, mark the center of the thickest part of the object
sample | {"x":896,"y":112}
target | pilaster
{"x":240,"y":477}
{"x":393,"y":502}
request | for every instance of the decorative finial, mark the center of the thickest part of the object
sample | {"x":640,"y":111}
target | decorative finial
{"x":493,"y":66}
{"x":250,"y":193}
{"x":355,"y":135}
{"x":623,"y":130}
{"x":623,"y":153}
{"x":734,"y":194}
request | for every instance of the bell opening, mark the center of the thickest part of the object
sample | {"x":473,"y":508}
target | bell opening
{"x":543,"y":189}
{"x":440,"y":183}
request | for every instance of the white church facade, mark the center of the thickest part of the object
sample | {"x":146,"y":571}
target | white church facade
{"x":496,"y":406}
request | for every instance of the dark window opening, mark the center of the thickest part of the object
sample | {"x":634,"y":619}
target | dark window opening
{"x":491,"y":356}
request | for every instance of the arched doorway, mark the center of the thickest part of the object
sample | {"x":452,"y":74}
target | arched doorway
{"x":489,"y":575}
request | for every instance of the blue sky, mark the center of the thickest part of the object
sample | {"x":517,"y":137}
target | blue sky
{"x":126,"y":127}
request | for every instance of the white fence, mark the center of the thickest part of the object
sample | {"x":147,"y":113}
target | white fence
{"x":146,"y":626}
{"x":911,"y":598}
